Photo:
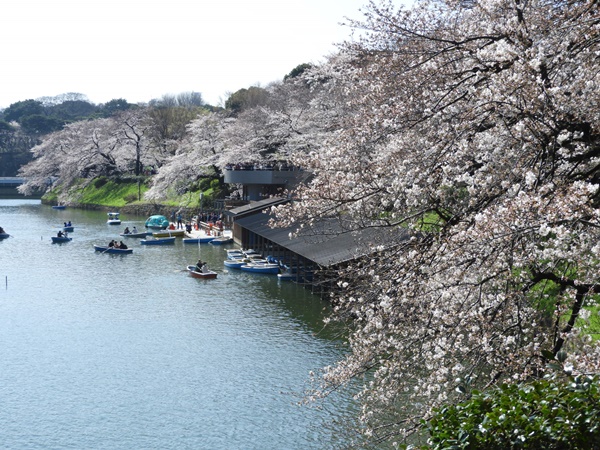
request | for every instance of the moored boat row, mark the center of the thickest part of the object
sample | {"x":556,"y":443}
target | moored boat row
{"x":252,"y":261}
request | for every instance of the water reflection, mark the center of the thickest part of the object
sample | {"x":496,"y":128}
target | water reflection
{"x":110,"y":351}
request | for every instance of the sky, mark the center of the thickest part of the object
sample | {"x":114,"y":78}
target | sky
{"x":141,"y":50}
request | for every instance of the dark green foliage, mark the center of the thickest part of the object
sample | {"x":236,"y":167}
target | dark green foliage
{"x":114,"y":106}
{"x":554,"y":413}
{"x":21,"y":109}
{"x":72,"y":110}
{"x":297,"y":71}
{"x":246,"y":98}
{"x":100,"y":181}
{"x":130,"y":198}
{"x":38,"y":124}
{"x":5,"y":126}
{"x":11,"y":162}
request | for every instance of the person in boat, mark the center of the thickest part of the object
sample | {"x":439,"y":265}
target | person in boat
{"x":111,"y":244}
{"x":126,"y":231}
{"x":134,"y":230}
{"x":64,"y":224}
{"x":60,"y":234}
{"x":204,"y":268}
{"x":122,"y":245}
{"x":2,"y":230}
{"x":69,"y":223}
{"x":199,"y":266}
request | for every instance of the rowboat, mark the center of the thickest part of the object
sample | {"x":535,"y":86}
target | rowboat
{"x":206,"y":275}
{"x":237,"y":253}
{"x":221,"y":240}
{"x":58,"y":240}
{"x":69,"y":228}
{"x":113,"y":218}
{"x":234,"y":263}
{"x":4,"y":235}
{"x":169,"y":233}
{"x":266,"y":268}
{"x":58,"y":207}
{"x":158,"y":241}
{"x":113,"y":250}
{"x":199,"y":240}
{"x":234,"y":254}
{"x":286,"y":276}
{"x":139,"y":235}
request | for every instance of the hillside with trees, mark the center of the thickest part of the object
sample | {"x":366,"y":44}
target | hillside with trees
{"x":23,"y":124}
{"x":475,"y":126}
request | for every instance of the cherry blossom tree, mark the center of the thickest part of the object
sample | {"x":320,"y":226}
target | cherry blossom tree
{"x":196,"y":156}
{"x":294,"y":117}
{"x":83,"y":150}
{"x":474,"y":127}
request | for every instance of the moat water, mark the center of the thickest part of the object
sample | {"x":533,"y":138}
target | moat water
{"x":99,"y":351}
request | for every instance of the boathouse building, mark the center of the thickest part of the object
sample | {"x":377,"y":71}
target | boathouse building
{"x":313,"y":255}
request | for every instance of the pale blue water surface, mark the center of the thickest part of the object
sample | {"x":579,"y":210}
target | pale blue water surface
{"x":99,"y":351}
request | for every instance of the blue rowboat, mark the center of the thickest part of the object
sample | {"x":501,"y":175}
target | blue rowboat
{"x":115,"y":251}
{"x":69,"y":228}
{"x":58,"y":240}
{"x":234,"y":263}
{"x":199,"y":240}
{"x":261,"y":268}
{"x":139,"y":235}
{"x":4,"y":236}
{"x":222,"y":240}
{"x":158,"y":241}
{"x":58,"y":207}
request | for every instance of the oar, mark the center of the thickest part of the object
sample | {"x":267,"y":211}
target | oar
{"x":107,"y":249}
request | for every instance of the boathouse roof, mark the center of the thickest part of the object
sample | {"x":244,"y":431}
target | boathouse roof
{"x":326,"y":243}
{"x":255,"y":207}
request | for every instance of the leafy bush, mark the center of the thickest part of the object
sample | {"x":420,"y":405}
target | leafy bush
{"x":547,"y":413}
{"x":130,"y":198}
{"x":100,"y":181}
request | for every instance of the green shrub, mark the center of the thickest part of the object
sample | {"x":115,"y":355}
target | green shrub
{"x":543,"y":414}
{"x":100,"y":181}
{"x":130,"y":198}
